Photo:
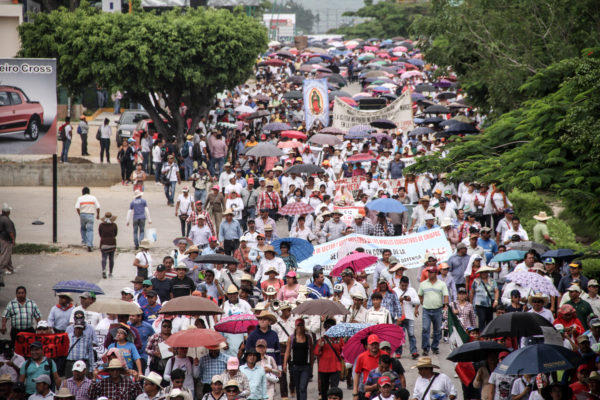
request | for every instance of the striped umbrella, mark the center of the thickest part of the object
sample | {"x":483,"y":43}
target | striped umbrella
{"x":296,"y":208}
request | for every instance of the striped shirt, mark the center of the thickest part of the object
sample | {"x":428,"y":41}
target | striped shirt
{"x":87,"y":204}
{"x":22,"y":315}
{"x":80,"y":348}
{"x":433,"y":294}
{"x":79,"y":391}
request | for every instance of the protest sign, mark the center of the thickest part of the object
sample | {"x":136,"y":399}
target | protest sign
{"x":55,"y":344}
{"x":408,"y":249}
{"x":399,"y":112}
{"x":348,"y":213}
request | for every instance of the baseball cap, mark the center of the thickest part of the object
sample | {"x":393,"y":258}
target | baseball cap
{"x":36,"y":344}
{"x":593,"y":282}
{"x":461,"y":245}
{"x":384,"y":344}
{"x":549,"y":260}
{"x":79,"y":366}
{"x":213,"y":239}
{"x":338,"y":288}
{"x":87,"y":295}
{"x":384,"y":380}
{"x":509,"y":211}
{"x":233,"y":363}
{"x":216,"y":378}
{"x":151,"y":293}
{"x":42,"y":324}
{"x":161,"y":268}
{"x":147,"y":282}
{"x":373,"y":339}
{"x":128,"y":290}
{"x":43,"y":379}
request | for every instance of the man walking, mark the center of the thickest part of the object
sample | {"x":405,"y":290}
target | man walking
{"x":433,"y":295}
{"x":22,"y":312}
{"x":8,"y":235}
{"x":139,"y":209}
{"x":83,"y":129}
{"x":86,"y":206}
{"x":171,"y":171}
{"x":105,"y":132}
{"x":230,"y":232}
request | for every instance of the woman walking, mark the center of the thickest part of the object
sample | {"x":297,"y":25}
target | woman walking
{"x":484,"y":296}
{"x":108,"y":242}
{"x":300,"y":355}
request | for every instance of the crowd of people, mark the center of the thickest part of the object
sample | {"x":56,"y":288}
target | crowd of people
{"x":231,"y":203}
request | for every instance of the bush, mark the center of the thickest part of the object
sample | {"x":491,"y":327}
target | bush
{"x":591,"y":268}
{"x":34,"y":248}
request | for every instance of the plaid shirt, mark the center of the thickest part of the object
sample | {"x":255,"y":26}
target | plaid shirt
{"x":22,"y":316}
{"x":126,"y":389}
{"x":80,"y":392}
{"x":210,"y":367}
{"x":465,"y":314}
{"x":378,"y":231}
{"x":81,"y":348}
{"x":391,"y":303}
{"x":193,"y":218}
{"x":366,"y":228}
{"x":264,"y":201}
{"x":153,"y":342}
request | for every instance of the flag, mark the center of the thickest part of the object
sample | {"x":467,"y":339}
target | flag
{"x":456,"y":333}
{"x":316,"y":102}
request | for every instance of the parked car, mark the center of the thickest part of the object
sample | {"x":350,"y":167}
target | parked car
{"x":19,"y":114}
{"x":127,"y":123}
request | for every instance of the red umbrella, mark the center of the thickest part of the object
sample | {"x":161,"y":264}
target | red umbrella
{"x":349,"y":101}
{"x":386,"y":332}
{"x":293,"y":135}
{"x":237,"y":323}
{"x":361,"y":157}
{"x":355,"y":261}
{"x":273,"y":62}
{"x":195,"y":337}
{"x":296,"y":208}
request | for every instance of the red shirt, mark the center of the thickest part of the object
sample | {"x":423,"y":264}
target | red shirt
{"x":328,"y":361}
{"x":579,"y":387}
{"x":365,"y":363}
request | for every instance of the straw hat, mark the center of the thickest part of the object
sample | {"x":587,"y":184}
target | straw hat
{"x":64,"y":393}
{"x":269,"y":248}
{"x":542,"y":216}
{"x":145,"y":244}
{"x":232,"y":289}
{"x":485,"y":269}
{"x":229,"y":211}
{"x":270,"y":290}
{"x":153,"y":377}
{"x":266,"y":314}
{"x":424,"y":362}
{"x":109,"y":215}
{"x":538,"y":296}
{"x":115,"y":364}
{"x":192,"y":249}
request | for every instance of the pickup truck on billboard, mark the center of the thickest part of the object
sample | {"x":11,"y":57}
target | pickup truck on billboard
{"x":19,"y":114}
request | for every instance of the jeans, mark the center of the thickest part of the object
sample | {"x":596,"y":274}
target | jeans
{"x":87,"y":228}
{"x":251,"y":212}
{"x":146,"y":161}
{"x":409,"y":328}
{"x":157,"y":166}
{"x":200,"y":194}
{"x":104,"y":147}
{"x":65,"y":151}
{"x":184,"y":225}
{"x":328,"y":380}
{"x":432,"y":316}
{"x":117,"y":106}
{"x":300,"y":376}
{"x":110,"y":256}
{"x":170,"y":191}
{"x":188,"y":165}
{"x":138,"y":230}
{"x":216,"y":161}
{"x":84,"y":151}
{"x":484,"y":315}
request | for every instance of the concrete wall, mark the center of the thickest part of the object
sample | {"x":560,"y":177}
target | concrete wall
{"x":26,"y":174}
{"x":11,"y":16}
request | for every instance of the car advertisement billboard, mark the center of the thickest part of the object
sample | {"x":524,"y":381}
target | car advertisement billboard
{"x":28,"y":106}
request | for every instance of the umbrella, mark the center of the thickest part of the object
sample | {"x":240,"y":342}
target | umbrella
{"x":190,"y":305}
{"x":177,"y":239}
{"x":444,"y":83}
{"x":263,"y":98}
{"x":77,"y":286}
{"x":391,"y":96}
{"x":296,"y":208}
{"x":565,"y":254}
{"x":345,"y":329}
{"x":533,"y":280}
{"x":552,"y":336}
{"x":290,"y":144}
{"x":337,"y":78}
{"x":264,"y":149}
{"x":115,"y":306}
{"x":538,"y":358}
{"x":326,"y":140}
{"x":332,"y":131}
{"x":380,"y":136}
{"x":236,"y":323}
{"x":216,"y":259}
{"x":274,"y":62}
{"x":361,"y":157}
{"x":432,"y":120}
{"x":424,"y":88}
{"x":350,"y":101}
{"x":300,"y":248}
{"x":293,"y":135}
{"x":424,"y":130}
{"x":386,"y":332}
{"x":244,"y":109}
{"x":276,"y":126}
{"x":516,"y":324}
{"x":293,"y":94}
{"x":436,"y":109}
{"x":320,"y":307}
{"x":461,"y":127}
{"x":227,"y":125}
{"x":295,"y":79}
{"x":386,"y":206}
{"x":304,"y":169}
{"x":511,"y":255}
{"x":417,"y":62}
{"x":475,"y":351}
{"x":195,"y":337}
{"x":285,"y":53}
{"x":257,"y":114}
{"x":383,"y":124}
{"x":355,"y":261}
{"x":528,"y":245}
{"x":360,"y":129}
{"x":338,"y":93}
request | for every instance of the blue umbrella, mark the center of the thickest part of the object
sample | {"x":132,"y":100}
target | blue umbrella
{"x":386,"y":206}
{"x":345,"y":329}
{"x":417,"y":62}
{"x":566,"y":254}
{"x":300,"y":248}
{"x":510,"y":255}
{"x":416,"y":96}
{"x":77,"y":286}
{"x":538,"y":358}
{"x":420,"y":131}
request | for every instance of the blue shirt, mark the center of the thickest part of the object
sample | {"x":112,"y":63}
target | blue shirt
{"x":210,"y":367}
{"x":129,"y":352}
{"x":322,"y":291}
{"x":138,"y":206}
{"x":230,"y":230}
{"x":272,"y":342}
{"x":59,"y":318}
{"x":257,"y":380}
{"x":489,"y":246}
{"x":424,"y":228}
{"x":46,"y":367}
{"x":145,"y":330}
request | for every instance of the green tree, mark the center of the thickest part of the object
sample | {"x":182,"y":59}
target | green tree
{"x":385,"y":19}
{"x":185,"y":55}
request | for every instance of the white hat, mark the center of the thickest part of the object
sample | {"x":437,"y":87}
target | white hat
{"x":153,"y":377}
{"x":79,"y":366}
{"x":128,"y":290}
{"x":42,"y":324}
{"x":446,"y":222}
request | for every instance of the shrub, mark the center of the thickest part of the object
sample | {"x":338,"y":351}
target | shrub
{"x":591,"y":268}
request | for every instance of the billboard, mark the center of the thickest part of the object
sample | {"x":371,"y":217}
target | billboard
{"x":282,"y":27}
{"x":28,"y":107}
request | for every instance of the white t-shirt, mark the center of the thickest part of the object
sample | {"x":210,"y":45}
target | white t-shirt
{"x":237,"y":205}
{"x":145,"y":258}
{"x":185,"y":204}
{"x":441,"y":384}
{"x":519,"y":386}
{"x":503,"y":385}
{"x":408,"y":307}
{"x":69,"y":131}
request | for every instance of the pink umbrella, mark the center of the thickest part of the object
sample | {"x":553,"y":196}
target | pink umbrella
{"x":370,"y":48}
{"x":410,"y":74}
{"x":293,"y":135}
{"x":296,"y":208}
{"x":400,"y":48}
{"x":349,"y":101}
{"x":361,"y":157}
{"x":289,"y":145}
{"x":386,"y":332}
{"x":362,"y":94}
{"x":356,"y":261}
{"x":237,"y":323}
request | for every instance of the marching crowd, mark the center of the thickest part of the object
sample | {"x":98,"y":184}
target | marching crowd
{"x":232,"y":203}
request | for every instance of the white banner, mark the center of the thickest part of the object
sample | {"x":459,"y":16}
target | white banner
{"x":399,"y":111}
{"x":409,"y":249}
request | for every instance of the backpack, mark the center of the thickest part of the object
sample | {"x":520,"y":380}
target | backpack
{"x":62,"y":135}
{"x":197,"y":152}
{"x":185,"y":150}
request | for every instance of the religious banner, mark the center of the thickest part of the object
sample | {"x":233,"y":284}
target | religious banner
{"x":316,"y":102}
{"x":54,"y":344}
{"x":399,"y":112}
{"x":408,"y":249}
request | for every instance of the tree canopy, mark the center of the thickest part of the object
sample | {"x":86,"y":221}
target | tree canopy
{"x":183,"y":55}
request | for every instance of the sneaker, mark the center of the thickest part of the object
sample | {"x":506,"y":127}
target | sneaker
{"x":425,"y":353}
{"x":415,"y":356}
{"x":8,"y":273}
{"x":436,"y":351}
{"x":104,"y":275}
{"x":89,"y":248}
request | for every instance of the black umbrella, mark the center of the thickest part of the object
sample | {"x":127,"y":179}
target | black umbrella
{"x":528,"y":245}
{"x":383,"y":124}
{"x":293,"y":94}
{"x":216,"y":259}
{"x":436,"y":109}
{"x":475,"y":351}
{"x":295,"y":79}
{"x":424,"y":88}
{"x":432,"y":120}
{"x":446,"y":95}
{"x":424,"y":130}
{"x":461,"y":127}
{"x":336,"y":78}
{"x":564,"y":254}
{"x":516,"y":324}
{"x":304,"y":168}
{"x":258,"y":114}
{"x":286,"y":54}
{"x":338,"y":93}
{"x":538,"y":358}
{"x":390,"y":96}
